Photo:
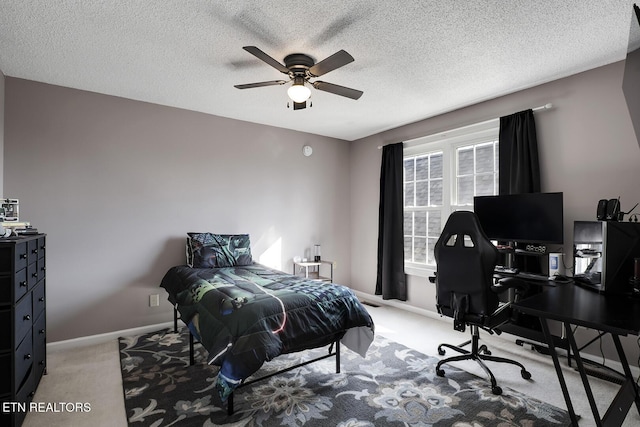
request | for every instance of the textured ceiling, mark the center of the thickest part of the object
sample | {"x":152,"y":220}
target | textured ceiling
{"x":414,"y":59}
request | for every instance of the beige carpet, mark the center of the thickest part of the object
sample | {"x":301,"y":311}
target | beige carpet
{"x":86,"y":375}
{"x":92,"y":374}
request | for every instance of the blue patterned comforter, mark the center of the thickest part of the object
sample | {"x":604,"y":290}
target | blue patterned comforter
{"x":246,"y":315}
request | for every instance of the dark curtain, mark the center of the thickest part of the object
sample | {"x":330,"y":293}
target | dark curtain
{"x":391,"y":282}
{"x":519,"y":169}
{"x":519,"y":172}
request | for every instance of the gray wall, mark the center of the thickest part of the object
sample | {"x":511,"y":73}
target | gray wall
{"x":1,"y":131}
{"x":116,"y":184}
{"x":587,"y":150}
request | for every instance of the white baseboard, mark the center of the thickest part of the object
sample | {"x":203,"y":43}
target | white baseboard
{"x":377,"y":299}
{"x":102,"y":338}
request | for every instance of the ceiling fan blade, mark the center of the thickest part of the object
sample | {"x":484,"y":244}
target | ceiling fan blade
{"x":261,"y":84}
{"x":336,"y":60}
{"x":299,"y":105}
{"x":266,"y":58}
{"x":338,"y":90}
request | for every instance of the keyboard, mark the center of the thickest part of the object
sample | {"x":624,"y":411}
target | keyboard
{"x":533,"y":276}
{"x":503,"y":269}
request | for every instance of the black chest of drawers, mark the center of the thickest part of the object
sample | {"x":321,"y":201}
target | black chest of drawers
{"x":23,"y":358}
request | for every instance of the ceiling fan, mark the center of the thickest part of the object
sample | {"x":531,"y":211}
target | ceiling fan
{"x":301,"y":69}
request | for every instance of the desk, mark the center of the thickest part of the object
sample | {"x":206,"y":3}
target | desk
{"x":616,"y":315}
{"x":528,"y":328}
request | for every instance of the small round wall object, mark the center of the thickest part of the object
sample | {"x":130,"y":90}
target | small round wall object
{"x":307,"y":150}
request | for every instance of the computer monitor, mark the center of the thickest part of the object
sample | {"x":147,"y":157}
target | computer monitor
{"x":522,"y":218}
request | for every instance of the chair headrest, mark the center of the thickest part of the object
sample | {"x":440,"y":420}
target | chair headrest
{"x":461,"y":224}
{"x":465,"y":222}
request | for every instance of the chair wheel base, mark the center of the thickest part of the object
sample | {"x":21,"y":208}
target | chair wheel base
{"x":441,"y":352}
{"x":440,"y":372}
{"x":496,"y":390}
{"x":525,"y":374}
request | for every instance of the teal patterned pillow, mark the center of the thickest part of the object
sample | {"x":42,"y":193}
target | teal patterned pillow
{"x":208,"y":250}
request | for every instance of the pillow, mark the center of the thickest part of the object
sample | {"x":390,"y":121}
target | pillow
{"x":208,"y":250}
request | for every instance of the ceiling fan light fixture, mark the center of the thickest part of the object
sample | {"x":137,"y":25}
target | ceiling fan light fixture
{"x":298,"y":92}
{"x":300,"y":67}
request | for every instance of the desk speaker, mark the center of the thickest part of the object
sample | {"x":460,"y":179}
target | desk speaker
{"x":613,"y":209}
{"x":602,"y":210}
{"x":608,"y":210}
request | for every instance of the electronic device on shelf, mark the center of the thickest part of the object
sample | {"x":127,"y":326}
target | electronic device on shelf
{"x":556,"y":264}
{"x":504,"y":247}
{"x":9,"y":210}
{"x":604,"y":253}
{"x":588,"y":253}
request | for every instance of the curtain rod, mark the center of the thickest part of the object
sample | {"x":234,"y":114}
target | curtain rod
{"x":540,"y":108}
{"x":543,"y":107}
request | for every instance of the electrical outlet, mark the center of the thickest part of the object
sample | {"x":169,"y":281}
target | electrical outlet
{"x":154,"y":300}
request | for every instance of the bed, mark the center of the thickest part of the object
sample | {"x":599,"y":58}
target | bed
{"x":245,"y":313}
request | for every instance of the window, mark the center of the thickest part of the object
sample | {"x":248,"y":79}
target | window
{"x":476,"y":172}
{"x":423,"y":201}
{"x":443,"y":173}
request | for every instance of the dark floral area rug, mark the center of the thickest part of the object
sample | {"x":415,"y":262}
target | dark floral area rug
{"x":393,"y":386}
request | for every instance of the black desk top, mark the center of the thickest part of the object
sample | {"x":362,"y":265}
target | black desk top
{"x":615,"y":314}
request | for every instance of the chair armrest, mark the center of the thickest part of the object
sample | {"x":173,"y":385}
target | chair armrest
{"x":506,"y":283}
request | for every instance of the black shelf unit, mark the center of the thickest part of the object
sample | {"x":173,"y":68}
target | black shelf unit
{"x":23,"y":353}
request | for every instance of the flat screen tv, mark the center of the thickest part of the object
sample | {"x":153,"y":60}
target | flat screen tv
{"x":631,"y":79}
{"x":522,"y":218}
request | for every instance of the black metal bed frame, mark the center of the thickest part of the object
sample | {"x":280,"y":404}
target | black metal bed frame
{"x":192,"y":341}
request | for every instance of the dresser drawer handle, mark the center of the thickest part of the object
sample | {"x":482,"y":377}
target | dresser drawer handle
{"x":34,"y":275}
{"x":23,"y":283}
{"x":41,"y":363}
{"x":33,"y":393}
{"x":34,"y":251}
{"x":23,"y":256}
{"x":27,"y":356}
{"x":41,"y":299}
{"x":27,"y":317}
{"x":41,"y":331}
